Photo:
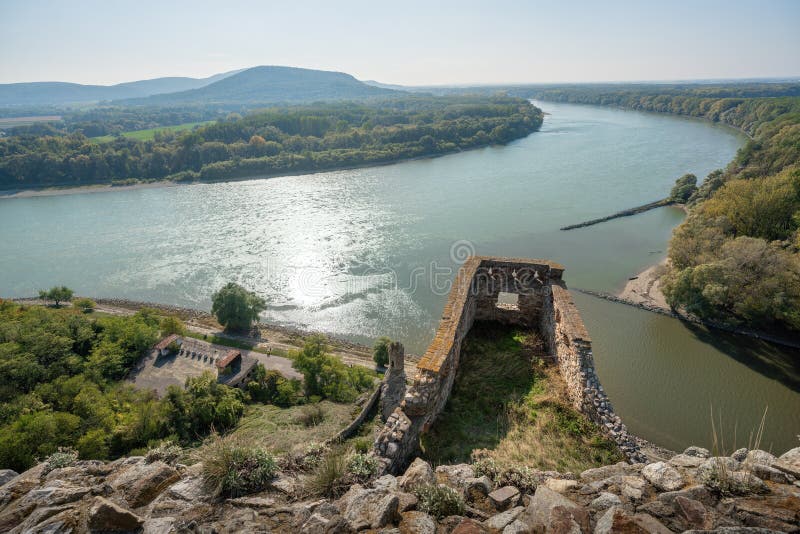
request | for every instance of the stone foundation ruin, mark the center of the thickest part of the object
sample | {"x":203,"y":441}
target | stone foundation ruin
{"x":544,"y":304}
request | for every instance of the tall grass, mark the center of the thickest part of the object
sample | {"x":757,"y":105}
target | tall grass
{"x":722,"y":477}
{"x":233,"y":470}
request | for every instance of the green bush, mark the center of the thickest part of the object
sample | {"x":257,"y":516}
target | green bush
{"x":64,"y":457}
{"x":84,"y":304}
{"x":362,"y":445}
{"x":362,"y":467}
{"x":380,"y":351}
{"x":329,"y":479}
{"x":326,"y":376}
{"x":234,"y":470}
{"x":439,"y":500}
{"x":167,"y":452}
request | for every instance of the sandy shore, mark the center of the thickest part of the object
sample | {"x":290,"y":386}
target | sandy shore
{"x":53,"y":191}
{"x":645,"y":288}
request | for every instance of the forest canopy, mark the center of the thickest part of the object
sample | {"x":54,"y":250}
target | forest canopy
{"x":271,"y":141}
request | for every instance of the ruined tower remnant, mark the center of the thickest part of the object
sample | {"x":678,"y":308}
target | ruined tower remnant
{"x":543,"y":303}
{"x":393,"y":388}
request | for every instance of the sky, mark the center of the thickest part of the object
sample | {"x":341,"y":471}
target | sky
{"x":404,"y":42}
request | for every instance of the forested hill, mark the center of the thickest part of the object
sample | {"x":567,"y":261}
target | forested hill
{"x":271,"y":84}
{"x":278,"y":140}
{"x":736,"y":258}
{"x":63,"y":93}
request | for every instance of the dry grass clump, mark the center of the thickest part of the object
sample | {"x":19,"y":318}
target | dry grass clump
{"x":339,"y":469}
{"x":311,"y":415}
{"x":166,"y":451}
{"x":439,"y":500}
{"x":233,"y":470}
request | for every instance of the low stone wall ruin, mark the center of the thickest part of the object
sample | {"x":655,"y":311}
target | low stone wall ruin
{"x":544,"y":304}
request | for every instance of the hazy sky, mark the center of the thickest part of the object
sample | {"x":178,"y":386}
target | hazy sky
{"x":406,"y":42}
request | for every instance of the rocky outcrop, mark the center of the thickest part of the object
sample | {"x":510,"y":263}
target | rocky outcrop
{"x":721,"y":494}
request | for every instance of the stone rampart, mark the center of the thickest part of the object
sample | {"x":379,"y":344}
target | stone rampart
{"x":542,"y":303}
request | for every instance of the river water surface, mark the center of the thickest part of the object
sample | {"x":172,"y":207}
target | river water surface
{"x":369,"y":252}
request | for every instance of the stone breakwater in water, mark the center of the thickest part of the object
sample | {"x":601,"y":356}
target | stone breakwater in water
{"x":543,"y":304}
{"x":748,"y":492}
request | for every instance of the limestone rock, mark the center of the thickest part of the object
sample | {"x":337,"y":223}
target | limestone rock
{"x":697,"y":493}
{"x":417,"y":523}
{"x":501,"y":520}
{"x":7,"y":475}
{"x":663,"y":476}
{"x":718,"y":464}
{"x":759,"y":457}
{"x":369,"y":508}
{"x":386,"y":482}
{"x":699,"y":452}
{"x":189,"y":489}
{"x":739,"y":455}
{"x":685,"y":460}
{"x":600,"y":473}
{"x":548,"y":508}
{"x":469,"y":526}
{"x":419,"y":473}
{"x":158,"y":525}
{"x":618,"y":521}
{"x":454,"y":475}
{"x":141,"y":483}
{"x":407,"y":501}
{"x":104,"y":515}
{"x":560,"y":485}
{"x":693,"y":512}
{"x":604,"y":501}
{"x":633,"y":487}
{"x":505,"y":497}
{"x":789,"y":462}
{"x":516,"y":527}
{"x":478,"y":487}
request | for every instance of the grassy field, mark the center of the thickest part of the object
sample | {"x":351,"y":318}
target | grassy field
{"x":507,"y":400}
{"x":149,"y":134}
{"x":12,"y":122}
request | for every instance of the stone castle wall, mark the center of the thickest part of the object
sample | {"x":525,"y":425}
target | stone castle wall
{"x":543,"y":303}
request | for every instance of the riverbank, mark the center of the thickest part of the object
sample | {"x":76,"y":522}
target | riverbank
{"x":645,"y":287}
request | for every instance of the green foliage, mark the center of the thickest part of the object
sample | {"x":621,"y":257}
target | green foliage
{"x":171,"y":325}
{"x":380,"y":351}
{"x":326,"y":376}
{"x":63,"y":457}
{"x":297,"y":139}
{"x":166,"y":451}
{"x":202,"y":405}
{"x":311,"y":415}
{"x":362,"y":467}
{"x":233,"y":470}
{"x":236,"y":308}
{"x":273,"y":388}
{"x":329,"y":477}
{"x":84,"y":304}
{"x":57,"y":294}
{"x":362,"y":444}
{"x":439,"y":500}
{"x":684,"y":188}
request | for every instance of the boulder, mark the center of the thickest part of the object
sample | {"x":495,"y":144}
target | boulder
{"x":417,"y":523}
{"x":454,"y":475}
{"x":739,"y":455}
{"x":386,"y":482}
{"x":503,"y":519}
{"x":158,"y":525}
{"x":693,"y":512}
{"x":106,"y":516}
{"x":560,"y":485}
{"x":419,"y":473}
{"x":604,"y":501}
{"x":663,"y":476}
{"x":698,"y":493}
{"x":505,"y":497}
{"x":759,"y":457}
{"x":548,"y":508}
{"x":189,"y":489}
{"x":618,"y":521}
{"x":600,"y":473}
{"x":7,"y":475}
{"x":685,"y":460}
{"x":408,"y":501}
{"x":516,"y":527}
{"x":141,"y":483}
{"x":469,"y":526}
{"x":369,"y":508}
{"x":633,"y":487}
{"x":478,"y":487}
{"x":718,"y":464}
{"x":699,"y":452}
{"x":789,"y":462}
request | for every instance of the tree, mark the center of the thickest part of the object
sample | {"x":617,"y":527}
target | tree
{"x":380,"y":351}
{"x":57,"y":294}
{"x":685,"y":187}
{"x":84,"y":304}
{"x":171,"y":325}
{"x":236,"y":308}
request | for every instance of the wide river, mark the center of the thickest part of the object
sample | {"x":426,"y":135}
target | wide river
{"x":370,"y":252}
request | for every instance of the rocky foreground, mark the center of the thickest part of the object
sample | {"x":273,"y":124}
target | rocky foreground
{"x":751,"y":491}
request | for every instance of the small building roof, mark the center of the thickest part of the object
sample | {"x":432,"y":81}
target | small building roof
{"x":228,"y":358}
{"x":164,"y":343}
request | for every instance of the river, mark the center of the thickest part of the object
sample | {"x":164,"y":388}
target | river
{"x":369,"y":252}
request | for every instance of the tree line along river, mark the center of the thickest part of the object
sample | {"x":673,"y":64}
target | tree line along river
{"x":369,"y":252}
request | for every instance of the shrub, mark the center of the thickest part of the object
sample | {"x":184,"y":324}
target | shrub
{"x":329,"y":478}
{"x":311,"y":415}
{"x":523,"y":477}
{"x":63,"y":457}
{"x":439,"y":500}
{"x":362,"y":444}
{"x":167,"y":452}
{"x":84,"y":304}
{"x":380,"y":351}
{"x":362,"y":467}
{"x":234,"y":470}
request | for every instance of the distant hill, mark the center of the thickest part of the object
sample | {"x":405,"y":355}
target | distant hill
{"x":60,"y":93}
{"x":271,"y":84}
